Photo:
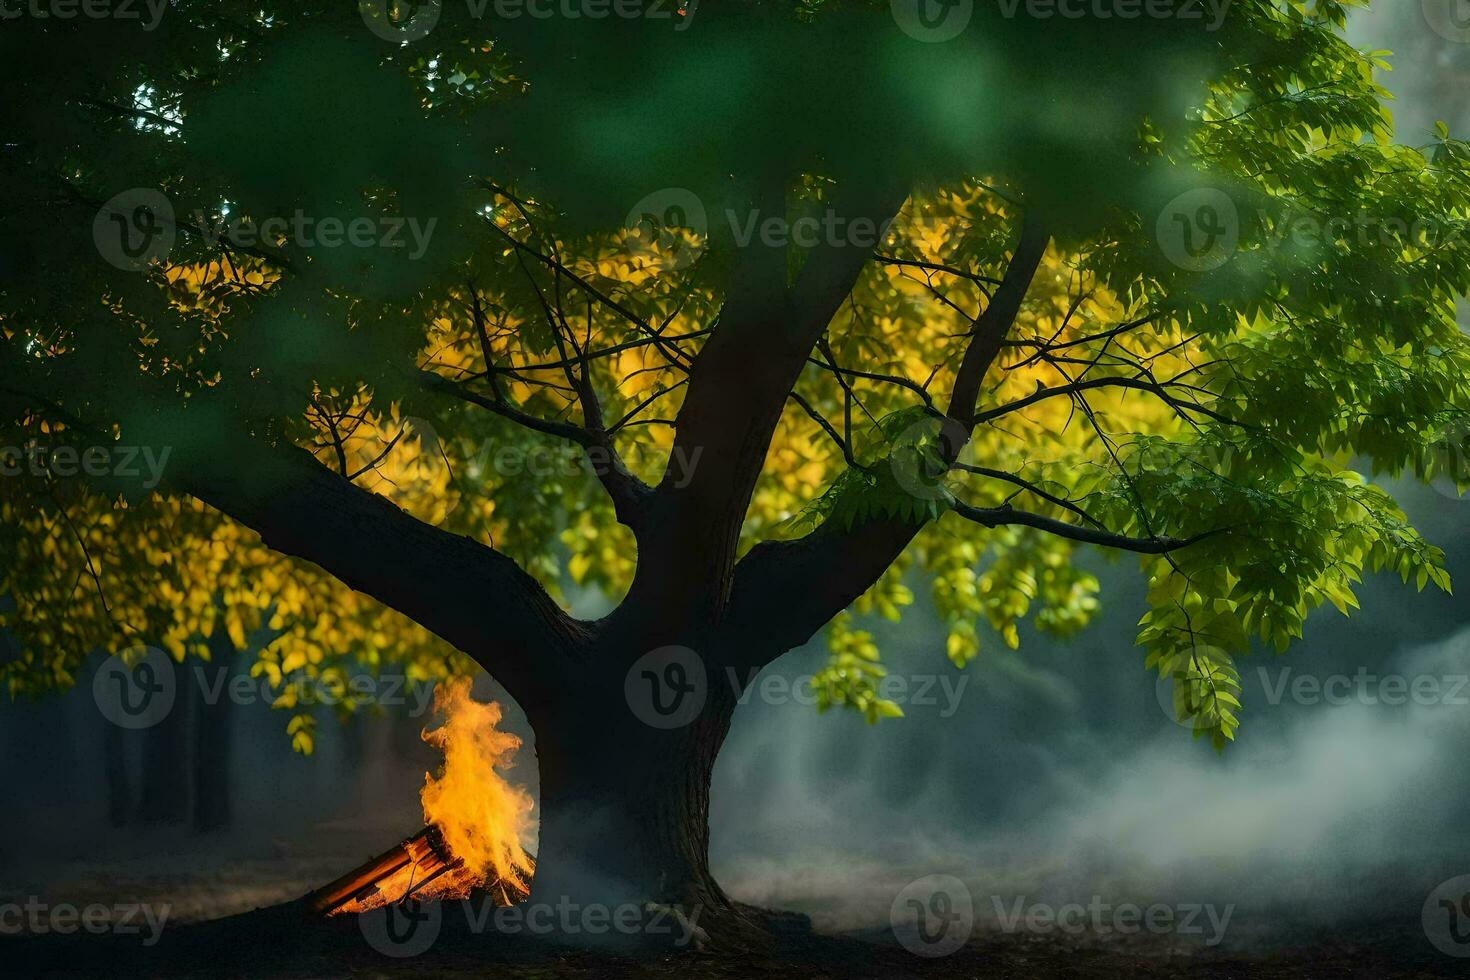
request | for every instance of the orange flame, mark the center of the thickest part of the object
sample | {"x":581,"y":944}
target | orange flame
{"x":482,"y":817}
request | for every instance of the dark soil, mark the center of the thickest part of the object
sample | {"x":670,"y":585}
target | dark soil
{"x":286,"y":942}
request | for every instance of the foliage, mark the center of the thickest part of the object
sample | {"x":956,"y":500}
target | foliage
{"x":1135,"y":394}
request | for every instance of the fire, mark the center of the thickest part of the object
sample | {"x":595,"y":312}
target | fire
{"x":482,"y":817}
{"x":477,"y":820}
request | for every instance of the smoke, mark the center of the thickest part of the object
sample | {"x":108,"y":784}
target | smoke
{"x":1062,"y":777}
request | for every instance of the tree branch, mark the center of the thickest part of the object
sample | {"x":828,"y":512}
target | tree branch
{"x":472,"y":596}
{"x":803,"y":584}
{"x":629,"y":494}
{"x":1008,"y":516}
{"x":738,"y":388}
{"x":988,"y":332}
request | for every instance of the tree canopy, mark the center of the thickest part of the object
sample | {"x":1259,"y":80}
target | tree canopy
{"x":1146,"y":285}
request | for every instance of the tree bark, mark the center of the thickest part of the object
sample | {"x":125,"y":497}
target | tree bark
{"x":214,"y":746}
{"x":115,"y":768}
{"x":624,"y":816}
{"x":164,"y":797}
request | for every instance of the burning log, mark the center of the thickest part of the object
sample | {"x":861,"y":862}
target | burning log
{"x":421,"y":867}
{"x":476,"y":822}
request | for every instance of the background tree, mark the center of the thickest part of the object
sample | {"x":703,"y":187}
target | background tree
{"x":1145,"y":285}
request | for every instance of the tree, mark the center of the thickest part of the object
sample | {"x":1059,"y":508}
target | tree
{"x":745,"y":318}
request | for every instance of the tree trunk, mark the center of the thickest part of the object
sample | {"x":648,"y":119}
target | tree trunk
{"x":213,"y":754}
{"x":164,"y":797}
{"x":115,"y":767}
{"x":624,"y":819}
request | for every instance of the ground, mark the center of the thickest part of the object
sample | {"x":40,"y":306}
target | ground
{"x":211,"y":932}
{"x":284,"y":942}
